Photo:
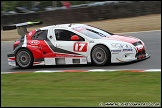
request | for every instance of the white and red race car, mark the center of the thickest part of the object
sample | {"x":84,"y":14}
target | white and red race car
{"x":72,"y":44}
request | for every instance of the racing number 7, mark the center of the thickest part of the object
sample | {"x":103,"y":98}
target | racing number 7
{"x":80,"y":47}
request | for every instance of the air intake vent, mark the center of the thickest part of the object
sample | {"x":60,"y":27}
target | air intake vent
{"x":76,"y":61}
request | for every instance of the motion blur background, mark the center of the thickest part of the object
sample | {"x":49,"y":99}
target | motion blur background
{"x":56,"y":12}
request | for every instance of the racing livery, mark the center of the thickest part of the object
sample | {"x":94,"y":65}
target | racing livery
{"x":72,"y":44}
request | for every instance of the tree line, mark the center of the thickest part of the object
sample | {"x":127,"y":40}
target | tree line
{"x":11,"y":5}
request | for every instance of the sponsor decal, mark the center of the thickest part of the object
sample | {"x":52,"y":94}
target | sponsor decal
{"x":80,"y":47}
{"x":58,"y":55}
{"x":34,"y":42}
{"x":80,"y":28}
{"x":66,"y":55}
{"x":127,"y":49}
{"x":35,"y":46}
{"x":59,"y":50}
{"x":115,"y":50}
{"x":11,"y":60}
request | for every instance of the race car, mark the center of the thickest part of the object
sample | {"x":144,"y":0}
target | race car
{"x":72,"y":44}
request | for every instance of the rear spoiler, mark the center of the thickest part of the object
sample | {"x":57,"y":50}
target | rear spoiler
{"x":21,"y":27}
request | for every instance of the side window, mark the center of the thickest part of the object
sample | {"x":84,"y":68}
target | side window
{"x":65,"y":35}
{"x":40,"y":35}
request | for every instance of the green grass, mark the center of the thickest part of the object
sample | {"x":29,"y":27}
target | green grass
{"x":79,"y":89}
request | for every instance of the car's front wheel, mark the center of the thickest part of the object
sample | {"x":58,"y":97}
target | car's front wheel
{"x":24,"y":58}
{"x":100,"y":55}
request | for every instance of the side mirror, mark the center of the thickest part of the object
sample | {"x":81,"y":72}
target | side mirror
{"x":74,"y":38}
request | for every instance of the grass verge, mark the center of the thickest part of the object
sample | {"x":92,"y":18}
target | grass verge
{"x":79,"y":89}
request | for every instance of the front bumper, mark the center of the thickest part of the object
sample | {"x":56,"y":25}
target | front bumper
{"x":138,"y":58}
{"x":142,"y":57}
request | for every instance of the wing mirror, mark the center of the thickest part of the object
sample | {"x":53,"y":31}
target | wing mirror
{"x":74,"y":38}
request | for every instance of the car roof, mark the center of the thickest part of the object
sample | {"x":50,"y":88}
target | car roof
{"x":67,"y":26}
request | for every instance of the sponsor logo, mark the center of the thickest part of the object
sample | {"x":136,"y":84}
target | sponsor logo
{"x":58,"y":55}
{"x":115,"y":50}
{"x":80,"y":28}
{"x":127,"y":49}
{"x":11,"y":60}
{"x":34,"y":42}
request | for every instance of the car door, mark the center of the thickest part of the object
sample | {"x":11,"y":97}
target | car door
{"x":66,"y":48}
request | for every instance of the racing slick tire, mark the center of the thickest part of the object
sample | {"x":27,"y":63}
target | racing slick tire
{"x":100,"y":55}
{"x":24,"y":58}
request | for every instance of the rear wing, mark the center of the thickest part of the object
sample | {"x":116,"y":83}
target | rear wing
{"x":21,"y":27}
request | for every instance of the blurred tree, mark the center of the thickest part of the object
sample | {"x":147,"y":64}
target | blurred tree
{"x":26,"y":4}
{"x":54,"y":3}
{"x":78,"y":2}
{"x":10,"y":5}
{"x":44,"y":4}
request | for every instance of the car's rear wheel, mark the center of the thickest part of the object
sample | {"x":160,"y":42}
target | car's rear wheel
{"x":100,"y":55}
{"x":24,"y":58}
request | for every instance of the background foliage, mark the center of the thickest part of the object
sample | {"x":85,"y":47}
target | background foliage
{"x":10,"y":5}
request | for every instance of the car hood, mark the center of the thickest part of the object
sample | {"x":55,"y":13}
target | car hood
{"x":122,"y":38}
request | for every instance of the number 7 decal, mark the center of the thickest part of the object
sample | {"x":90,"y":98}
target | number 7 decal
{"x":80,"y":47}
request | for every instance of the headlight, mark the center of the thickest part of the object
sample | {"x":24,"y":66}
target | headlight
{"x":118,"y":45}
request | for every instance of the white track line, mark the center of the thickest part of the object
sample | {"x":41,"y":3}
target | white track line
{"x":152,"y":70}
{"x":91,"y":70}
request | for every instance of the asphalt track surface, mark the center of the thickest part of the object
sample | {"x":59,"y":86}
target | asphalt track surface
{"x":152,"y":40}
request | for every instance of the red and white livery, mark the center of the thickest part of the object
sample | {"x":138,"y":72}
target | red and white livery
{"x":72,"y":44}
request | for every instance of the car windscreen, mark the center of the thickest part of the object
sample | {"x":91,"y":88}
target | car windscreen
{"x":93,"y":32}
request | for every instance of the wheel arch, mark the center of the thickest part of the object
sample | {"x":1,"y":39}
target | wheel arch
{"x":36,"y":52}
{"x":102,"y":45}
{"x":20,"y":48}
